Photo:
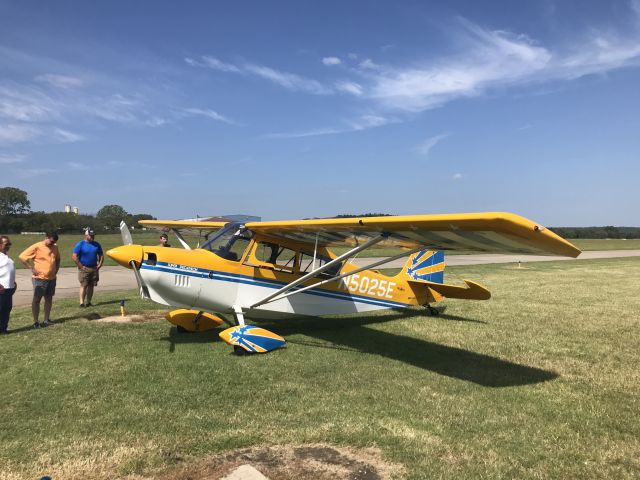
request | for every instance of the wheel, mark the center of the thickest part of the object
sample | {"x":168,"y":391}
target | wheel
{"x":433,"y":311}
{"x":238,"y":350}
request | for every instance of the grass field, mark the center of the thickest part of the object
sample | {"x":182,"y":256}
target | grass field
{"x":67,"y":242}
{"x":541,"y":381}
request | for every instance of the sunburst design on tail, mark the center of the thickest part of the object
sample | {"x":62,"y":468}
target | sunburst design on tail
{"x":426,"y":266}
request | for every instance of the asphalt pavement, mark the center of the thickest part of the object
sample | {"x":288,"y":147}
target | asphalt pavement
{"x":119,"y":278}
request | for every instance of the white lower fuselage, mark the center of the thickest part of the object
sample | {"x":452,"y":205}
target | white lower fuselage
{"x":217,"y":291}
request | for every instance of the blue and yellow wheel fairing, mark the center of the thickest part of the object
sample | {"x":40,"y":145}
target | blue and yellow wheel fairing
{"x":252,"y":339}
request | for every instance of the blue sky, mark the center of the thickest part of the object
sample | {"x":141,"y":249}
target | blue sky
{"x":297,"y":109}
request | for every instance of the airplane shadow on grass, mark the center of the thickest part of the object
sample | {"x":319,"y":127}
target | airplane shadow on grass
{"x":353,"y":335}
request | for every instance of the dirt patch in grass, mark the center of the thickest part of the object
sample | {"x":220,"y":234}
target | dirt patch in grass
{"x":320,"y":462}
{"x":137,"y":318}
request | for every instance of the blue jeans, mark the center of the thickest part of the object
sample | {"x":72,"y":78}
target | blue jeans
{"x":6,"y":304}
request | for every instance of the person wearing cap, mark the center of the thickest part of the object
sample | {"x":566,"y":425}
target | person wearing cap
{"x":7,"y":283}
{"x":89,"y":258}
{"x":164,"y":240}
{"x":43,"y":259}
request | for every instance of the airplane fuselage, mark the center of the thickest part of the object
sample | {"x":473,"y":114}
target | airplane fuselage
{"x":201,"y":280}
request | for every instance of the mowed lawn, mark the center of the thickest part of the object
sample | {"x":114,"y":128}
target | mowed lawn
{"x":541,"y":381}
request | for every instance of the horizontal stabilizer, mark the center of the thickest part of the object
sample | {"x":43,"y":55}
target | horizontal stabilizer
{"x":472,"y":290}
{"x":252,"y":339}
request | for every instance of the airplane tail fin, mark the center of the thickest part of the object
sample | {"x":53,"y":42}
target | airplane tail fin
{"x":426,"y":269}
{"x":425,"y":266}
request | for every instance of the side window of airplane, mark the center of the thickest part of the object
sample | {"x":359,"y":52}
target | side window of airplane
{"x":282,"y":258}
{"x":306,"y":264}
{"x":238,"y":248}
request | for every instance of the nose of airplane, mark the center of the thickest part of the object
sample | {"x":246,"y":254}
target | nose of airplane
{"x":125,"y":254}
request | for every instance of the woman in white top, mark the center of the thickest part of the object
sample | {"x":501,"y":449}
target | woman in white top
{"x":7,"y":283}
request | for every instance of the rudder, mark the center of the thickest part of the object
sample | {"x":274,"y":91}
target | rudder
{"x":425,"y":266}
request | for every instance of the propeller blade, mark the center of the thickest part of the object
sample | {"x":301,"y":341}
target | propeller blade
{"x":142,"y":288}
{"x":126,"y":234}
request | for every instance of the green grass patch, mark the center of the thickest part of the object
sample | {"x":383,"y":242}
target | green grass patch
{"x":606,"y":244}
{"x":541,"y":381}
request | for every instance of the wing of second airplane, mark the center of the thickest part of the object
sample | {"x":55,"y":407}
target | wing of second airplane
{"x":184,"y":226}
{"x":202,"y":230}
{"x":494,"y":232}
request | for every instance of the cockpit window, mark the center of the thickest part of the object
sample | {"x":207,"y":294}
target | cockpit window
{"x":307,"y":264}
{"x":230,"y":242}
{"x":282,"y":258}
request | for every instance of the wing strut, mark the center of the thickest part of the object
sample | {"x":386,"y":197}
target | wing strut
{"x":321,"y":269}
{"x":181,"y":238}
{"x":352,"y":272}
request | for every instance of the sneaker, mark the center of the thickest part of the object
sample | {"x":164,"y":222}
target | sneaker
{"x":36,"y":325}
{"x":46,"y":323}
{"x":82,"y":305}
{"x":89,"y":305}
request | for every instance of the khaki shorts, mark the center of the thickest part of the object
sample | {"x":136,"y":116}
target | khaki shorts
{"x":88,"y":276}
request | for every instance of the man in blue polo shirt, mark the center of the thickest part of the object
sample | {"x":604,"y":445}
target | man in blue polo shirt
{"x":89,"y":258}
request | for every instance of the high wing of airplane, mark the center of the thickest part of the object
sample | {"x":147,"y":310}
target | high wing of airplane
{"x":281,"y":269}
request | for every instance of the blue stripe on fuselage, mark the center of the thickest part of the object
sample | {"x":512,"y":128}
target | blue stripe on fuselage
{"x":274,"y":284}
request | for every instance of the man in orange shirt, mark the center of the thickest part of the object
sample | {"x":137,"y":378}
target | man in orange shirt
{"x":43,"y":259}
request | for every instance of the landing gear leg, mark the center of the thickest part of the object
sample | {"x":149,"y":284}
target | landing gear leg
{"x":237,"y":310}
{"x":237,"y":349}
{"x":196,"y":320}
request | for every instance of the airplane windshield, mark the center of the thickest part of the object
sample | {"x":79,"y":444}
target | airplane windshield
{"x":230,"y":241}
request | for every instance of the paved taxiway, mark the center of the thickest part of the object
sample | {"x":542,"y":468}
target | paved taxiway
{"x":119,"y":278}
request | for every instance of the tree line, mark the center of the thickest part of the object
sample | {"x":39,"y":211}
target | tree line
{"x":566,"y":232}
{"x":598,"y":232}
{"x":16,"y":216}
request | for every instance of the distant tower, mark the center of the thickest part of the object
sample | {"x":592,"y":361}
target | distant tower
{"x":75,"y":210}
{"x":67,"y":208}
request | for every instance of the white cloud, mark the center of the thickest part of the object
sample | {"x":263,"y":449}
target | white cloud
{"x":349,"y":87}
{"x":8,"y":158}
{"x":17,"y":133}
{"x":456,"y":176}
{"x":329,"y":61}
{"x":60,"y":81}
{"x":309,"y":133}
{"x":494,"y":59}
{"x":156,"y":122}
{"x":77,"y":166}
{"x":66,"y":136}
{"x":355,"y":125}
{"x":290,"y":81}
{"x":25,"y":104}
{"x":368,"y":64}
{"x":212,"y":114}
{"x":369,"y":121}
{"x":212,"y":62}
{"x":426,"y":146}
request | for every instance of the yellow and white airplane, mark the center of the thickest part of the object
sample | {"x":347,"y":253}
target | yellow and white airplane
{"x":266,"y":270}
